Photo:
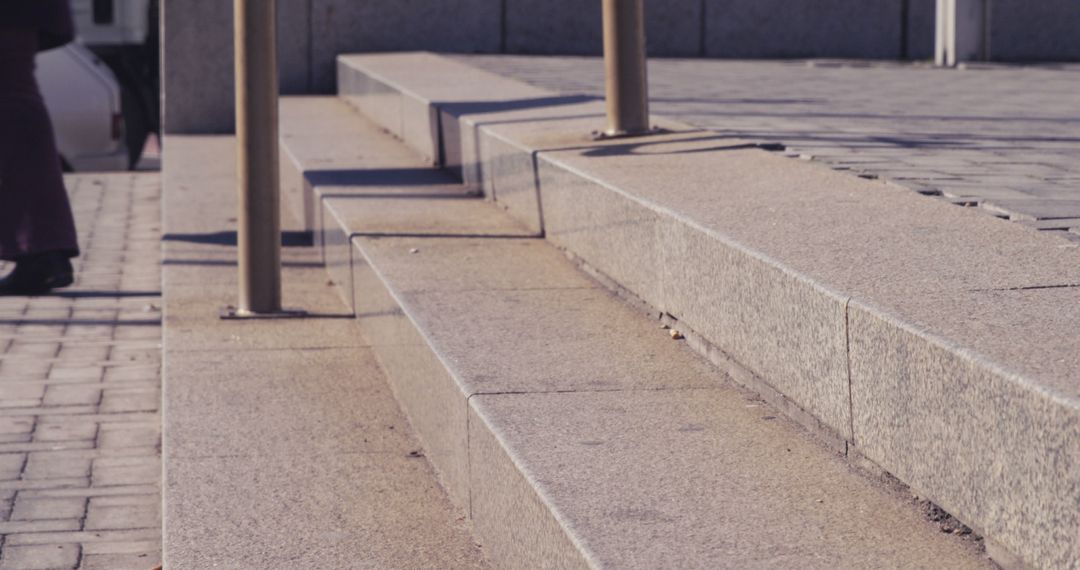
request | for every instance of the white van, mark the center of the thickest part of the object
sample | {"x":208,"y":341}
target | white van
{"x":83,"y":98}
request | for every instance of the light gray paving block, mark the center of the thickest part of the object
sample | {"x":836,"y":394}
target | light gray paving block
{"x":46,"y":525}
{"x":42,"y":557}
{"x":125,"y":547}
{"x":139,"y":561}
{"x":684,"y":478}
{"x":40,"y":465}
{"x":115,"y":471}
{"x":86,"y":492}
{"x":122,"y":400}
{"x":144,"y":374}
{"x":829,"y":28}
{"x":35,"y":508}
{"x":16,"y":426}
{"x":71,"y":395}
{"x":11,"y":465}
{"x":1036,"y":209}
{"x":86,"y":538}
{"x":340,"y":26}
{"x":62,"y":371}
{"x":121,"y":517}
{"x":21,"y":394}
{"x":111,"y":436}
{"x":124,"y":501}
{"x":944,"y":395}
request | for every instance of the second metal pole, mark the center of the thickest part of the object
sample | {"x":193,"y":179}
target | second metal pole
{"x":624,"y":63}
{"x":259,"y":233}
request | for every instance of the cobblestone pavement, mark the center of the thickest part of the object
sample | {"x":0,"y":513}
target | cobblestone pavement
{"x":80,"y":461}
{"x":1003,"y":138}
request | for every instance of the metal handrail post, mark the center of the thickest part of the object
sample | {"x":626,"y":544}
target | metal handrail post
{"x":962,"y":32}
{"x":259,"y":232}
{"x":626,"y":82}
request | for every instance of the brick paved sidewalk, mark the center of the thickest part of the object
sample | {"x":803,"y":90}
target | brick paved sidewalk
{"x":1003,"y":138}
{"x":80,"y":459}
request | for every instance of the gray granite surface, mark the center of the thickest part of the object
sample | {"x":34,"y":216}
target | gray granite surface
{"x":1000,"y":137}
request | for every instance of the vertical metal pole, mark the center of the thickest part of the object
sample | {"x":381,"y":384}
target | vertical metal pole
{"x":259,"y":235}
{"x":626,"y":84}
{"x":963,"y":31}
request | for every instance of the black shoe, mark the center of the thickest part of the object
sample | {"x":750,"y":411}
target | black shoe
{"x":38,"y":274}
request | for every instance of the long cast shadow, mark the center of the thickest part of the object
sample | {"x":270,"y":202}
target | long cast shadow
{"x":76,"y":294}
{"x":459,"y":108}
{"x":232,"y":263}
{"x":228,"y":238}
{"x":83,"y":322}
{"x":379,"y":177}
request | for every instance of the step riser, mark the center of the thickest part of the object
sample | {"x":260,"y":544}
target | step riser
{"x":297,"y":195}
{"x":429,"y":394}
{"x":409,"y":118}
{"x":848,"y":364}
{"x":510,"y":520}
{"x":336,"y":247}
{"x":517,"y":526}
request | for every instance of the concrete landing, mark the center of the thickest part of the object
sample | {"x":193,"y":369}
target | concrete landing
{"x":574,"y":430}
{"x":936,"y":342}
{"x":283,"y":445}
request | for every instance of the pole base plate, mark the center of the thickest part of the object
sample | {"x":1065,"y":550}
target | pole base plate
{"x":610,"y":135}
{"x":231,"y":313}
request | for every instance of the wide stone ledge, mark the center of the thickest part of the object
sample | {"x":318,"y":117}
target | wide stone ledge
{"x":550,"y":410}
{"x":691,"y":208}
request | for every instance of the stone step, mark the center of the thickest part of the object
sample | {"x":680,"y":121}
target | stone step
{"x":572,"y":428}
{"x":926,"y":339}
{"x":283,"y":446}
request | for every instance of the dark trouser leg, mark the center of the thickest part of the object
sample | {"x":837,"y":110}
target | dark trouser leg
{"x":35,"y":216}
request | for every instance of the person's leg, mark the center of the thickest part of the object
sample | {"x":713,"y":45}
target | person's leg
{"x":37,"y":229}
